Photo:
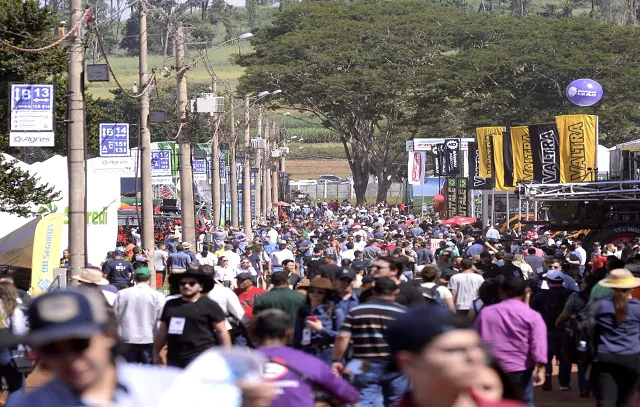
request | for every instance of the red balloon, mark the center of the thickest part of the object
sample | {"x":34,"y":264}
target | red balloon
{"x":438,"y":198}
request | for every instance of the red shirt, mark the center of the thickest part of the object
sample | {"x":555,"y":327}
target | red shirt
{"x":248,"y":298}
{"x":408,"y":402}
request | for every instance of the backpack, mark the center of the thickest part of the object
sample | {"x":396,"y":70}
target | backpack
{"x":582,"y":336}
{"x":431,"y":295}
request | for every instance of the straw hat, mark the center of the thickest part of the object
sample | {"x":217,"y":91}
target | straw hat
{"x":90,"y":276}
{"x":620,"y":278}
{"x":320,"y":282}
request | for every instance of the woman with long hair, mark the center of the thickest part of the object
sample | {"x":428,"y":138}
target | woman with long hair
{"x":318,"y":322}
{"x":616,"y":368}
{"x":11,"y":317}
{"x":519,"y":261}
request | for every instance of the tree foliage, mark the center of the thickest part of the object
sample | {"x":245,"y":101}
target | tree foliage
{"x":377,"y":73}
{"x":20,"y":191}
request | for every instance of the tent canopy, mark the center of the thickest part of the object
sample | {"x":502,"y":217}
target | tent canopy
{"x":16,"y":248}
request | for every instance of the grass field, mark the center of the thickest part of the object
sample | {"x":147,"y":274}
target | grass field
{"x":309,"y":169}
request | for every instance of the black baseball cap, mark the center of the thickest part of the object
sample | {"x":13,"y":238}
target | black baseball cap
{"x":347,"y":274}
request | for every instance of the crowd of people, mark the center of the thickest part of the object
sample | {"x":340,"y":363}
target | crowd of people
{"x":343,"y":305}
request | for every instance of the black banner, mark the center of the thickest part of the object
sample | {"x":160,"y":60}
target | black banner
{"x":452,"y":197}
{"x":475,"y":181}
{"x":451,"y":152}
{"x":545,"y":149}
{"x":463,"y":197}
{"x":437,"y":160}
{"x":507,"y":154}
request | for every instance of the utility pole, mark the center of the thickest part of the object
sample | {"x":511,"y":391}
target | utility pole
{"x":275,"y":173}
{"x":263,"y":164}
{"x":186,"y":173}
{"x":76,"y":144}
{"x":267,"y":168}
{"x":258,"y":181}
{"x":216,"y":187}
{"x":148,"y":236}
{"x":246,"y":174}
{"x":233,"y":167}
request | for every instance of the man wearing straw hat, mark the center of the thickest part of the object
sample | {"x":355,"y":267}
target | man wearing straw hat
{"x":93,"y":278}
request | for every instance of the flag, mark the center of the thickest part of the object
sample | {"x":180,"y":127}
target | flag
{"x":578,"y":135}
{"x":499,"y":163}
{"x":451,"y":152}
{"x":438,"y":159}
{"x":522,"y":156}
{"x":483,"y":137}
{"x":46,"y":251}
{"x":546,"y":153}
{"x":463,"y":197}
{"x":475,"y":181}
{"x":416,"y":167}
{"x":451,"y":197}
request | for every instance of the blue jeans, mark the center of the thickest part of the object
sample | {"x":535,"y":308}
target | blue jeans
{"x":325,"y":354}
{"x":554,"y":347}
{"x":139,"y":353}
{"x":524,"y":379}
{"x":380,"y":386}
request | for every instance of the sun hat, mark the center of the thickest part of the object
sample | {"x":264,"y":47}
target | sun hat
{"x":90,"y":276}
{"x":320,"y":282}
{"x":620,"y":278}
{"x":186,"y":245}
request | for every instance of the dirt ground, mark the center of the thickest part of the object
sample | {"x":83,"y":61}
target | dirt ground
{"x":542,"y":398}
{"x":309,"y":169}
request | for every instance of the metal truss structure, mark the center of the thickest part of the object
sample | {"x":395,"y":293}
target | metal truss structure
{"x":585,"y":191}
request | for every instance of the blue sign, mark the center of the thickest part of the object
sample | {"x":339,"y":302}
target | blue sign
{"x":32,"y":118}
{"x":114,"y":139}
{"x":199,"y":166}
{"x":161,"y":162}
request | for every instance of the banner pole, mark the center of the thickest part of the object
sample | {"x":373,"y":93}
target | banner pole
{"x":519,"y":215}
{"x":508,"y":214}
{"x":535,"y":210}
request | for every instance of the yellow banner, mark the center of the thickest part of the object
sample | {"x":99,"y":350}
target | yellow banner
{"x":485,"y":155}
{"x":498,"y":164}
{"x":578,"y":137}
{"x":46,"y":251}
{"x":522,"y":157}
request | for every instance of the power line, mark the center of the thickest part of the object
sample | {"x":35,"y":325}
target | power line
{"x":115,"y":78}
{"x":86,"y":14}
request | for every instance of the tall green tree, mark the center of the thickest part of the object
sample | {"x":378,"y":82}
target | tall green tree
{"x":20,"y":192}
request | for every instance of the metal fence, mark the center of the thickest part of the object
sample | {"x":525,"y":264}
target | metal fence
{"x":341,"y":190}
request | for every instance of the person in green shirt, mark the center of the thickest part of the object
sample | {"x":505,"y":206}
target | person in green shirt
{"x":280,"y":297}
{"x":599,"y":291}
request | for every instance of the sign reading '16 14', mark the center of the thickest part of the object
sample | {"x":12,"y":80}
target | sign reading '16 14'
{"x":31,"y":122}
{"x":114,"y":139}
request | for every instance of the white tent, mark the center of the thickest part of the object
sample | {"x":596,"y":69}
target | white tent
{"x":103,"y":200}
{"x":16,"y":248}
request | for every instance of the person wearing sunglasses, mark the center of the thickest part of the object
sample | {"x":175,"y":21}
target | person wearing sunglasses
{"x":192,"y":323}
{"x":75,"y":336}
{"x":317,"y":323}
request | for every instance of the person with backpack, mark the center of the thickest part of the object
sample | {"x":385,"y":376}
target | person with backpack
{"x":550,"y":303}
{"x":317,"y":322}
{"x":434,"y":292}
{"x":575,"y":304}
{"x":616,"y":366}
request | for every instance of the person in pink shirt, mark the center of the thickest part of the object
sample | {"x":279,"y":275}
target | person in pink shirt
{"x":517,"y":336}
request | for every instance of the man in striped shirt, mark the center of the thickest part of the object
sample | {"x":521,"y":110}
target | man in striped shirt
{"x":378,"y":380}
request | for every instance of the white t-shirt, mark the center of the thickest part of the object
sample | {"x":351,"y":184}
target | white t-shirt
{"x":466,"y":286}
{"x":279,"y":256}
{"x":444,"y":292}
{"x":160,"y":259}
{"x":210,"y":260}
{"x":229,"y":302}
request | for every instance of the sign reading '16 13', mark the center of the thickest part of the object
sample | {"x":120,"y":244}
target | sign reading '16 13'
{"x":114,"y":139}
{"x":31,"y":122}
